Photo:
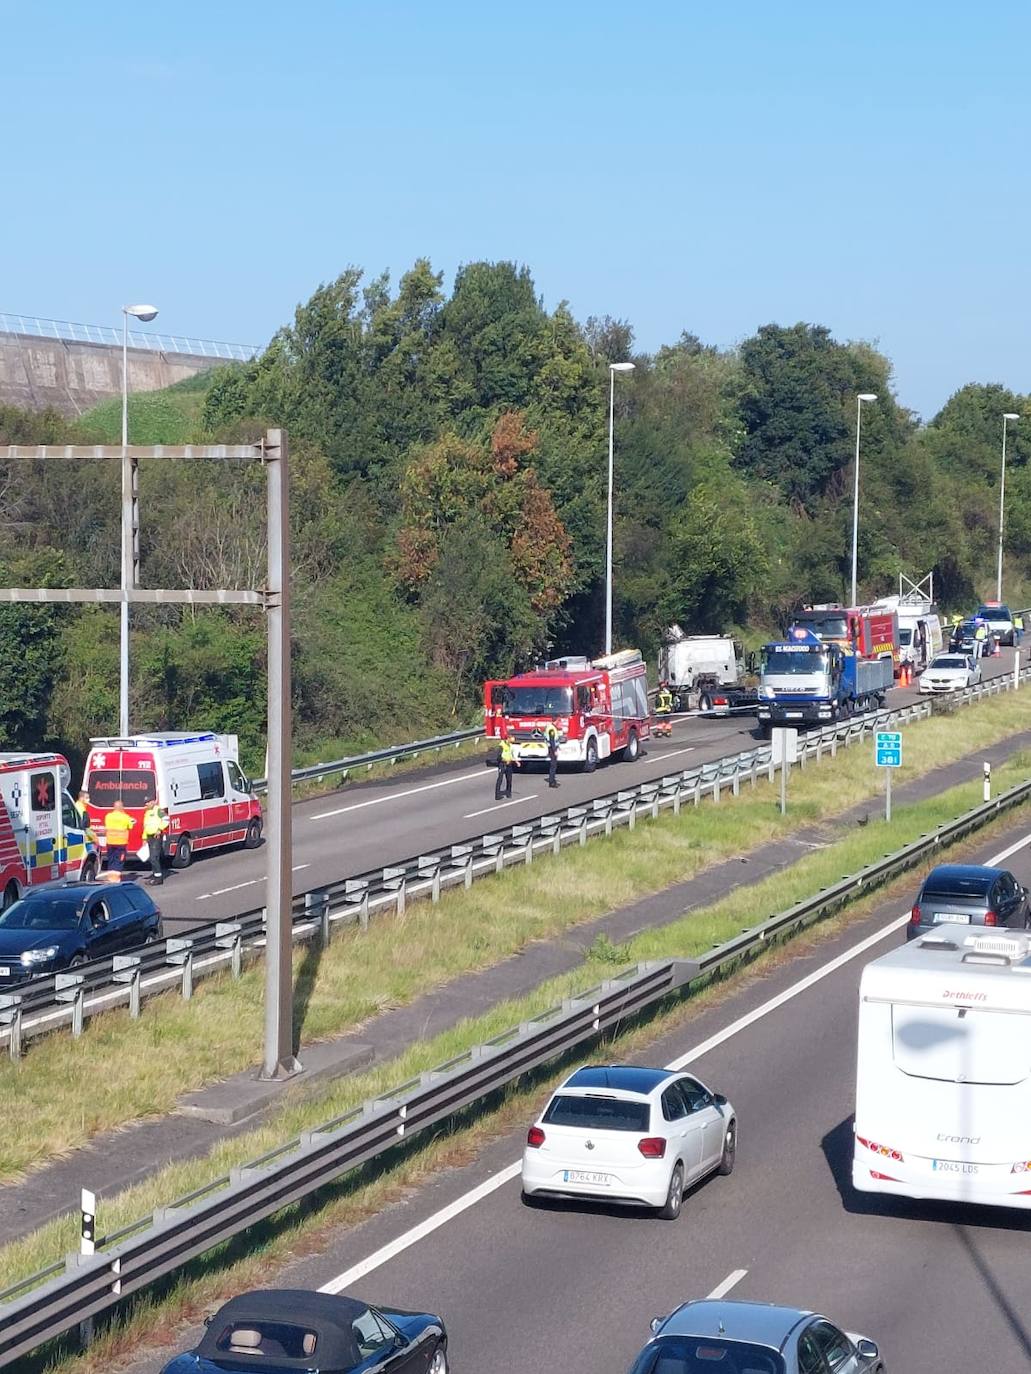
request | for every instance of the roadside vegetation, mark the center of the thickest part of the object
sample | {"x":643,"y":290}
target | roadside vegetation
{"x":304,"y":1228}
{"x":64,"y":1093}
{"x":448,"y":505}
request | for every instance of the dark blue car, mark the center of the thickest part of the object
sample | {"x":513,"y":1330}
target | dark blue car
{"x":56,"y":928}
{"x":275,"y":1330}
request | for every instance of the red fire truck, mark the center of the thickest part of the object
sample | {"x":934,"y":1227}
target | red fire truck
{"x":867,"y":631}
{"x":599,"y":706}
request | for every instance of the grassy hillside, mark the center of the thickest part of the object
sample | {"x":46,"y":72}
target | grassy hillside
{"x":169,"y":416}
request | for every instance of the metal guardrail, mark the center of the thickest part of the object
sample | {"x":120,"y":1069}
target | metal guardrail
{"x":56,"y":1300}
{"x":391,"y":753}
{"x":55,"y":1001}
{"x":71,"y":999}
{"x":67,"y":332}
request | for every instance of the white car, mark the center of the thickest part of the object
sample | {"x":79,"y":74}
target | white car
{"x":950,"y":673}
{"x":627,"y":1134}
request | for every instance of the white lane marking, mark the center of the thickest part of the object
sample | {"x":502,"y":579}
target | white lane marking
{"x":731,"y":1281}
{"x":221,"y":891}
{"x":396,"y":796}
{"x":425,"y":1228}
{"x":510,"y":1171}
{"x":499,"y":805}
{"x":674,"y":752}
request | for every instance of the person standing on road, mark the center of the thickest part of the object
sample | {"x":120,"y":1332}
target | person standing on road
{"x":552,"y":736}
{"x":506,"y":762}
{"x":118,"y":826}
{"x":155,"y":823}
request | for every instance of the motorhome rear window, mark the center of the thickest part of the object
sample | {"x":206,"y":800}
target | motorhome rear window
{"x":130,"y":786}
{"x":960,"y":1044}
{"x":597,"y":1113}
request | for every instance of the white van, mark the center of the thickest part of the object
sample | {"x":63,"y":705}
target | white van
{"x":943,"y":1078}
{"x":197,"y":778}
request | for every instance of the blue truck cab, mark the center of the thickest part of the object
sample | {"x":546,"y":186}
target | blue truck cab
{"x":806,"y":681}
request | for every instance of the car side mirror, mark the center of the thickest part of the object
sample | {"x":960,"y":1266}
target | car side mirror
{"x":656,"y":1325}
{"x":868,"y":1349}
{"x":719,"y":1099}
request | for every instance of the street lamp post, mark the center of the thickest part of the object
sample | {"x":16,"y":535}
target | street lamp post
{"x":130,"y":521}
{"x":613,"y":369}
{"x":863,"y":396}
{"x":1009,"y":415}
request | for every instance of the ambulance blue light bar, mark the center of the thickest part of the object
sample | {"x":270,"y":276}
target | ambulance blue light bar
{"x":169,"y":741}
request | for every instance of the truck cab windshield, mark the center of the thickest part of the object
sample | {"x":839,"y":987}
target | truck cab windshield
{"x":831,"y":626}
{"x":545,"y":700}
{"x":791,"y":661}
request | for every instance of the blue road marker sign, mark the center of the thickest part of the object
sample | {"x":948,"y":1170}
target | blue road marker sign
{"x":889,"y":748}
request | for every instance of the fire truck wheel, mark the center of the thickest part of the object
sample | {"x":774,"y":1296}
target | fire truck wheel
{"x":633,"y":747}
{"x":10,"y":895}
{"x":183,"y":852}
{"x":253,"y":836}
{"x":591,"y":755}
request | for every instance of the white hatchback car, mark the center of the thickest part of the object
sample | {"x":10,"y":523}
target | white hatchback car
{"x":950,"y":673}
{"x":626,"y":1134}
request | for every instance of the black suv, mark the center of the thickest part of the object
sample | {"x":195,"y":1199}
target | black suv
{"x":959,"y":895}
{"x":55,"y":928}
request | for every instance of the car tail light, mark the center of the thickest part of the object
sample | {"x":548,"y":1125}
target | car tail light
{"x":535,"y":1137}
{"x":991,"y":918}
{"x":884,"y":1150}
{"x":652,"y":1146}
{"x":914,"y":915}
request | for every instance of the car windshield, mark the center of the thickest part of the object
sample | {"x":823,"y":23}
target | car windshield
{"x":545,"y":700}
{"x":993,"y":612}
{"x":41,"y":913}
{"x":949,"y":662}
{"x":808,"y":660}
{"x":706,"y":1355}
{"x":597,"y":1113}
{"x":957,"y":885}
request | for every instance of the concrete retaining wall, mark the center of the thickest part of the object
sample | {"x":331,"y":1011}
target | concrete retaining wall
{"x":72,"y":377}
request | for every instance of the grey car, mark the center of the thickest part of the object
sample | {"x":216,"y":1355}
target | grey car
{"x":753,"y":1338}
{"x":955,"y":896}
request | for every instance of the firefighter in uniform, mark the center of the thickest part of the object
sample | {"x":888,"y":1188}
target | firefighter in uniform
{"x":155,"y":823}
{"x":664,"y":708}
{"x":118,"y":826}
{"x":552,"y":736}
{"x":506,"y":762}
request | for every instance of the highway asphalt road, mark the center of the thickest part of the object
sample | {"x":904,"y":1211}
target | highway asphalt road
{"x":572,"y":1286}
{"x":368,"y":825}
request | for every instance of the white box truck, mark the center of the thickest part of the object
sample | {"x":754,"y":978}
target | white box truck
{"x":707,"y":668}
{"x":943,"y":1076}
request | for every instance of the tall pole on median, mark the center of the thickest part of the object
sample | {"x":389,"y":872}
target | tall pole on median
{"x":1007,"y":417}
{"x":863,"y":396}
{"x":130,"y":519}
{"x":279,"y":1059}
{"x":613,"y":369}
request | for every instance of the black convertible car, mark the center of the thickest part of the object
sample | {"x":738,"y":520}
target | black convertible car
{"x":280,"y":1329}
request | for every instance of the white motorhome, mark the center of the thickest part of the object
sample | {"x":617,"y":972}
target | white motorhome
{"x":943,"y":1078}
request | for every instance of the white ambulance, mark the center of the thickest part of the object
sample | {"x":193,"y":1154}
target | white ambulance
{"x":196,"y":777}
{"x":42,"y":838}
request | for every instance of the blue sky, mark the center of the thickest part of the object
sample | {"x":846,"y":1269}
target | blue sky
{"x":708,"y":167}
